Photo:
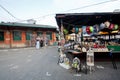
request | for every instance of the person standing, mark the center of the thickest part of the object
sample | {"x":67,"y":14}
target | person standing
{"x":41,"y":43}
{"x":37,"y":42}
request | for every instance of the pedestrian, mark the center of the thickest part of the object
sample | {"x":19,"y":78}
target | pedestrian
{"x":41,"y":43}
{"x":37,"y":44}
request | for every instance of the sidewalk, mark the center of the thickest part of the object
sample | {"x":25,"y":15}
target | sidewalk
{"x":4,"y":49}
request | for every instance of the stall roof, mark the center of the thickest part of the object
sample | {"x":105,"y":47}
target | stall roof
{"x":87,"y":19}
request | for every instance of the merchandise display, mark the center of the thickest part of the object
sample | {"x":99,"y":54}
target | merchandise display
{"x":84,"y":31}
{"x":97,"y":36}
{"x":76,"y":63}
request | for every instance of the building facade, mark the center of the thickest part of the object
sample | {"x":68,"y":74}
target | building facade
{"x":24,"y":35}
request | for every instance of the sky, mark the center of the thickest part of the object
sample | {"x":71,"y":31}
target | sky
{"x":44,"y":11}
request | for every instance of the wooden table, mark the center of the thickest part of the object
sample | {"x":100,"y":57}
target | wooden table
{"x":74,"y":52}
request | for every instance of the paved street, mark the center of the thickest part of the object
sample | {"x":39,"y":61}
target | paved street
{"x":33,"y":64}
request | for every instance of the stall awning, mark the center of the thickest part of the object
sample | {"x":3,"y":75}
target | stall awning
{"x":86,"y":19}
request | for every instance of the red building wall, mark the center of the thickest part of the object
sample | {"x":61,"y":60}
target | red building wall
{"x":10,"y":43}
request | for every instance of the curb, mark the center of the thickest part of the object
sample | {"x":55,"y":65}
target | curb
{"x":7,"y":49}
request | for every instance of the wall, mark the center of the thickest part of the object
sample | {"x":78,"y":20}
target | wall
{"x":10,"y":43}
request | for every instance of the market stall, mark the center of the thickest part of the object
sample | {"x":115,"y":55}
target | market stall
{"x":80,"y":32}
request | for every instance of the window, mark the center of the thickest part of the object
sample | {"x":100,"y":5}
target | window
{"x":49,"y":35}
{"x":39,"y":33}
{"x":16,"y":35}
{"x":1,"y":36}
{"x":28,"y":35}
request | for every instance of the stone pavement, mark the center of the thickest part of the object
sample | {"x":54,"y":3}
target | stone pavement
{"x":41,"y":64}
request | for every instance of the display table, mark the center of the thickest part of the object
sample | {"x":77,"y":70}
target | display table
{"x":73,"y":51}
{"x":77,"y":53}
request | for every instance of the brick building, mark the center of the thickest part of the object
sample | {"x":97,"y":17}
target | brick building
{"x":24,"y":35}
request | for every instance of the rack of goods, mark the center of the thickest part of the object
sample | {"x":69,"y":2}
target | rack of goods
{"x":83,"y":31}
{"x":101,"y":31}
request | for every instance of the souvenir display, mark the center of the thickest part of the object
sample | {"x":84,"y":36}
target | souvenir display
{"x":73,"y":30}
{"x":76,"y":30}
{"x":66,"y":61}
{"x":94,"y":36}
{"x":90,"y":57}
{"x":96,"y":29}
{"x":111,"y":26}
{"x":80,"y":30}
{"x":89,"y":39}
{"x":107,"y":24}
{"x":79,"y":37}
{"x":65,"y":31}
{"x":84,"y":30}
{"x":84,"y":49}
{"x":115,"y":27}
{"x":91,"y":29}
{"x":72,"y":36}
{"x":102,"y":26}
{"x":88,"y":30}
{"x":76,"y":63}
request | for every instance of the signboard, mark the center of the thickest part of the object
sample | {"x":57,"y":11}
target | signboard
{"x":90,"y":58}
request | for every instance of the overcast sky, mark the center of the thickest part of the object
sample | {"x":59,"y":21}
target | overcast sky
{"x":38,"y":9}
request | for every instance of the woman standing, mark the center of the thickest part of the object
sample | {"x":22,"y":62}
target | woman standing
{"x":37,"y":42}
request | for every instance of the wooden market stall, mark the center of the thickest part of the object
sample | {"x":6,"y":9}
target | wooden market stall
{"x":81,"y":31}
